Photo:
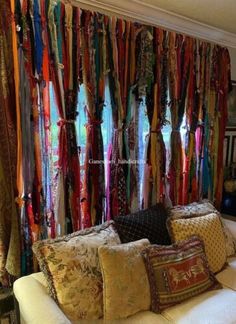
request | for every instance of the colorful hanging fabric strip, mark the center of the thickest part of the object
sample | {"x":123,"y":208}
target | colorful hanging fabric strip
{"x":190,"y":135}
{"x":93,"y":33}
{"x":202,"y":130}
{"x":63,"y":24}
{"x":9,"y":219}
{"x":154,"y":177}
{"x":46,"y":140}
{"x":206,"y":174}
{"x":179,"y":77}
{"x":118,"y":47}
{"x":223,"y":90}
{"x":190,"y":190}
{"x":33,"y":223}
{"x":132,"y":106}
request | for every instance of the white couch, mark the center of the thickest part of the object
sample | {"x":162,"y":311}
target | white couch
{"x":212,"y":307}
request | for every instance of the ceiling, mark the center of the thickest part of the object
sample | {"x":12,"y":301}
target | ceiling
{"x":217,"y":13}
{"x":210,"y":20}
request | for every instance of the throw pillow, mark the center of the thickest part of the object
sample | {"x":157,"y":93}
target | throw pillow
{"x":71,"y":266}
{"x":229,"y":240}
{"x":177,"y":272}
{"x":194,"y":209}
{"x":203,"y":208}
{"x":126,"y":287}
{"x":148,"y":223}
{"x":209,"y":228}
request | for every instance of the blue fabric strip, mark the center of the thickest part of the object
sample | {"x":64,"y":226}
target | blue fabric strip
{"x":38,"y":50}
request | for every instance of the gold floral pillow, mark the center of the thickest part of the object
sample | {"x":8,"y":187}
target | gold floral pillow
{"x":71,"y":266}
{"x":126,"y":287}
{"x":209,"y":229}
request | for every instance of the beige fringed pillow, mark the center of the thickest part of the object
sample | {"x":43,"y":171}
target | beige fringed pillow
{"x":209,"y":229}
{"x":72,"y":269}
{"x":194,"y":209}
{"x":229,"y":240}
{"x":126,"y":287}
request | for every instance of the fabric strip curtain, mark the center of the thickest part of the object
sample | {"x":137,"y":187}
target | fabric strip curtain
{"x":154,"y":173}
{"x":93,"y":42}
{"x":9,"y":220}
{"x":179,"y":77}
{"x":192,"y":117}
{"x":219,"y":88}
{"x":132,"y":133}
{"x":31,"y":200}
{"x":118,"y":48}
{"x":63,"y":24}
{"x":46,"y":139}
{"x":56,"y":44}
{"x":123,"y":188}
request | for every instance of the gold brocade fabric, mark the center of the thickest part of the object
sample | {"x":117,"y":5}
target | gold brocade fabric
{"x":209,"y":229}
{"x":9,"y":232}
{"x":9,"y":225}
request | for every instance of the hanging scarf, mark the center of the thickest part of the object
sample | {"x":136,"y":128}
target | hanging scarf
{"x":223,"y":90}
{"x":119,"y":45}
{"x":154,"y":176}
{"x":64,"y":57}
{"x":179,"y":78}
{"x":93,"y":38}
{"x":10,"y":162}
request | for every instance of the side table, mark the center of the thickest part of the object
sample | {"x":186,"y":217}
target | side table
{"x":9,"y":311}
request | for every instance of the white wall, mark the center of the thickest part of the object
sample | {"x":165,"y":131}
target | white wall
{"x":232,"y":52}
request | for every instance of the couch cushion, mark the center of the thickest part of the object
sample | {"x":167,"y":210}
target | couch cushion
{"x":144,"y":317}
{"x":209,"y":228}
{"x":125,"y":281}
{"x":177,"y":272}
{"x":212,"y":307}
{"x":71,"y":266}
{"x":32,"y":288}
{"x":148,"y":223}
{"x":227,"y":277}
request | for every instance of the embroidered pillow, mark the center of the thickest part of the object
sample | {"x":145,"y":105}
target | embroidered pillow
{"x":209,"y":229}
{"x":71,"y":266}
{"x":177,"y":272}
{"x":148,"y":223}
{"x":126,"y":287}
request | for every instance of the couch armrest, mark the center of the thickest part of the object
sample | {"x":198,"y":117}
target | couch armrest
{"x":36,"y":306}
{"x":231,"y":225}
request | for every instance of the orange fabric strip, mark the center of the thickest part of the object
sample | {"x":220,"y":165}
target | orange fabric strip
{"x":16,"y":79}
